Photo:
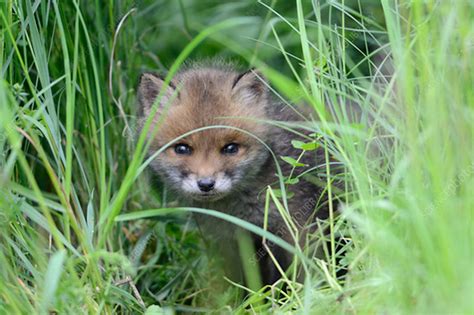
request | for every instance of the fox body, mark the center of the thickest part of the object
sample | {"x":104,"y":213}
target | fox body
{"x":228,"y":166}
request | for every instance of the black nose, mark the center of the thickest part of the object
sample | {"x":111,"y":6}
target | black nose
{"x":206,"y":184}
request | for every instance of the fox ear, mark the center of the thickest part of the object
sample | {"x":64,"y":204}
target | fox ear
{"x":149,"y":88}
{"x":249,"y":86}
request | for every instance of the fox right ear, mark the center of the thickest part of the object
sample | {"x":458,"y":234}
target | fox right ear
{"x":149,"y":88}
{"x":249,"y":87}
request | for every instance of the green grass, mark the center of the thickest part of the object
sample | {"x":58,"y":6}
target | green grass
{"x":83,"y":229}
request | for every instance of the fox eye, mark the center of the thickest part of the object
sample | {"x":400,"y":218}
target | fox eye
{"x":230,"y":148}
{"x":182,"y":149}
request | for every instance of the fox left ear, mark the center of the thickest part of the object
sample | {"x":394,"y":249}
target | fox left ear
{"x":149,"y":88}
{"x":249,"y":86}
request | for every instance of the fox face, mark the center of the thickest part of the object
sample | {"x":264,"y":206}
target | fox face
{"x":227,"y":150}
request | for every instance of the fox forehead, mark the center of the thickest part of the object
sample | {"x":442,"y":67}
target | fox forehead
{"x":205,"y":100}
{"x":183,"y":120}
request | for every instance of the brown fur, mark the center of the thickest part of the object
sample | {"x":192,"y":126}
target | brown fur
{"x":206,"y":96}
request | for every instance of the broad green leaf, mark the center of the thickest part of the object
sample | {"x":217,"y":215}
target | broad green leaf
{"x":154,"y":310}
{"x":309,"y":146}
{"x":292,"y":161}
{"x":292,"y":181}
{"x":51,"y":279}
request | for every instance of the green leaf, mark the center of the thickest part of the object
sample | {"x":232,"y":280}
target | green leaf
{"x":278,"y":193}
{"x":51,"y":281}
{"x":292,"y":161}
{"x":310,"y":146}
{"x":154,"y":310}
{"x":316,"y":135}
{"x":297,"y":144}
{"x":292,"y":181}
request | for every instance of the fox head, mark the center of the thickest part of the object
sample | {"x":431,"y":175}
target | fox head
{"x":206,"y":164}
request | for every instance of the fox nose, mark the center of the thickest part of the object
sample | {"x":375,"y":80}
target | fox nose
{"x":206,"y":184}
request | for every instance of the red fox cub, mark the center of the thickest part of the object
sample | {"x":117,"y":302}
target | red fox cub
{"x":228,"y":168}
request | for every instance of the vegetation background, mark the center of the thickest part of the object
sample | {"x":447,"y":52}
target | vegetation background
{"x":71,"y":178}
